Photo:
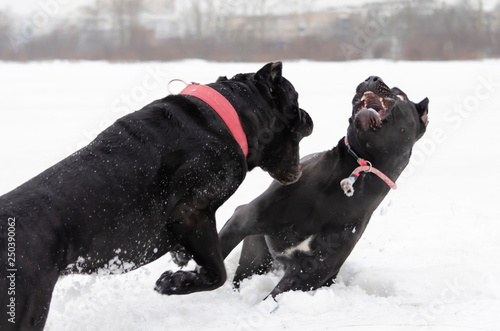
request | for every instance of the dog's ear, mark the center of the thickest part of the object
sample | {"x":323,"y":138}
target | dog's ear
{"x":221,"y":79}
{"x":270,"y":72}
{"x":276,"y":72}
{"x":423,"y":110}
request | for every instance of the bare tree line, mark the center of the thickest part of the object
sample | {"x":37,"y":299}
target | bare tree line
{"x":117,"y":30}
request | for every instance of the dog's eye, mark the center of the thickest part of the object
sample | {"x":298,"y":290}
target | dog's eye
{"x":401,"y":97}
{"x":403,"y":129}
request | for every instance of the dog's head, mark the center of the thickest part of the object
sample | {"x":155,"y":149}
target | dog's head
{"x":274,"y":145}
{"x":384,"y":121}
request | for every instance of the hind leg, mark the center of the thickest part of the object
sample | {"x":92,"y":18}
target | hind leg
{"x":255,"y":259}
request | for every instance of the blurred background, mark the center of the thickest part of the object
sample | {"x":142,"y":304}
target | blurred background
{"x":240,"y":30}
{"x":427,"y":259}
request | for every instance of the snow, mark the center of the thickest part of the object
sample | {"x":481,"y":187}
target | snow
{"x":429,"y":260}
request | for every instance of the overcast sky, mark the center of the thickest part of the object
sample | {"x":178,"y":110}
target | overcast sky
{"x":26,"y":7}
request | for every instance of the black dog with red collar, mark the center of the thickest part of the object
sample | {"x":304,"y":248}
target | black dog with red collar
{"x":150,"y":182}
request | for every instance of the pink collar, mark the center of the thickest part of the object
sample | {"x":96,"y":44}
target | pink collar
{"x":223,"y":108}
{"x":364,"y":166}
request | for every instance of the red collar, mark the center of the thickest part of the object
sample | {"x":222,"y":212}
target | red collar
{"x":223,"y":108}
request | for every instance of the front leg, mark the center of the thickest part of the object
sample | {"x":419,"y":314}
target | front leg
{"x":239,"y":226}
{"x":180,"y":255}
{"x":197,"y":233}
{"x":255,"y":258}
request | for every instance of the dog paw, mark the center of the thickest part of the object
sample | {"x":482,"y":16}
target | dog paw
{"x":185,"y":282}
{"x":175,"y":282}
{"x":163,"y":284}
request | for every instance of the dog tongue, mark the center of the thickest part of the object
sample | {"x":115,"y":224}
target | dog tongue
{"x":368,"y":119}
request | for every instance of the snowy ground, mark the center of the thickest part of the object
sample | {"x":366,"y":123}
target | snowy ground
{"x":429,"y":259}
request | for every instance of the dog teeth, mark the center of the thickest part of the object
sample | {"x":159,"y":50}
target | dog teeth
{"x":382,"y":103}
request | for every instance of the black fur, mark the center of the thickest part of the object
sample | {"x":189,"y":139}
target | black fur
{"x":315,"y":211}
{"x":151,"y":181}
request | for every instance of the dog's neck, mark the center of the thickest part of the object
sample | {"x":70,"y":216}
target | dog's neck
{"x":223,"y":108}
{"x":250,"y":119}
{"x":390,"y":165}
{"x":350,"y":150}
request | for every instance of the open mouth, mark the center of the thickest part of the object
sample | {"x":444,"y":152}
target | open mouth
{"x":372,"y":105}
{"x":381,"y":105}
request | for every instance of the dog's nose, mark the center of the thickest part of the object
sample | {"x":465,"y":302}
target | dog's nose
{"x":373,"y":79}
